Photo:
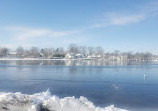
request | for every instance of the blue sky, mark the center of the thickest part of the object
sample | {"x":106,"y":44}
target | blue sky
{"x":126,"y":25}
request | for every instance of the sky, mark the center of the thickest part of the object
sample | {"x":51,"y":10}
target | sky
{"x":125,"y":25}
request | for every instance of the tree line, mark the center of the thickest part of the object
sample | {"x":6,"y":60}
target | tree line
{"x":87,"y":52}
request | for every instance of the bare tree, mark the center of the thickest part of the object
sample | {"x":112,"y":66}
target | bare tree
{"x":148,"y":56}
{"x":51,"y":51}
{"x":34,"y":52}
{"x":83,"y":50}
{"x":143,"y":56}
{"x":99,"y":51}
{"x":20,"y":52}
{"x":45,"y":52}
{"x":116,"y":52}
{"x":59,"y":52}
{"x":107,"y":56}
{"x":3,"y":51}
{"x":90,"y":51}
{"x":73,"y":48}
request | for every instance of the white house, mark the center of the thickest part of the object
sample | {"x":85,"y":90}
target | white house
{"x":79,"y":56}
{"x":70,"y":56}
{"x":12,"y":54}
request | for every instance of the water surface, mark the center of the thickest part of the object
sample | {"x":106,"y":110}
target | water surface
{"x":128,"y":85}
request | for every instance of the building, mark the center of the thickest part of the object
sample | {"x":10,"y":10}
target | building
{"x":12,"y":54}
{"x":70,"y":56}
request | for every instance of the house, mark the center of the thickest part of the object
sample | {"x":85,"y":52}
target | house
{"x":79,"y":56}
{"x":58,"y":56}
{"x":70,"y":56}
{"x":94,"y":56}
{"x":12,"y":54}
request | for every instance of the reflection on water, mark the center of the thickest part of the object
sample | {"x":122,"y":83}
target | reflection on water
{"x":77,"y":66}
{"x":73,"y":62}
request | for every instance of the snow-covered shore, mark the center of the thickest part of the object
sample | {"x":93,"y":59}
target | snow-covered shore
{"x":34,"y":59}
{"x":46,"y":102}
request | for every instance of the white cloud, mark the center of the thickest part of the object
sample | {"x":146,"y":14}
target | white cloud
{"x":32,"y":33}
{"x":119,"y":19}
{"x":99,"y":25}
{"x":15,"y":45}
{"x":23,"y":33}
{"x":125,"y":19}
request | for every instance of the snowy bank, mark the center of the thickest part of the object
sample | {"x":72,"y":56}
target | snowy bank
{"x":46,"y":102}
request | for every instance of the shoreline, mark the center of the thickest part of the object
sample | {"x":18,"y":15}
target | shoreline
{"x":36,"y":59}
{"x":31,"y":59}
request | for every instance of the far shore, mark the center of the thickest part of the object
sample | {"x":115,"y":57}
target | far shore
{"x":43,"y":59}
{"x":32,"y":59}
{"x":64,"y":59}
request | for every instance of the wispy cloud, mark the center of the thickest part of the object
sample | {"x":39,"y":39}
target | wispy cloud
{"x":125,"y":19}
{"x":119,"y":19}
{"x":150,"y":9}
{"x":23,"y":33}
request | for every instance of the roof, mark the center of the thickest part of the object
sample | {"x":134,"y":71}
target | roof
{"x":13,"y":53}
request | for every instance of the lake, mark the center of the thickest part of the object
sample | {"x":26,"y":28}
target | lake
{"x":78,"y":85}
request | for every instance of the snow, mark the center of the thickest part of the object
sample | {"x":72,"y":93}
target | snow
{"x":35,"y":102}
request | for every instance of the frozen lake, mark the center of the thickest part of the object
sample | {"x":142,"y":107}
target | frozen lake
{"x":126,"y":85}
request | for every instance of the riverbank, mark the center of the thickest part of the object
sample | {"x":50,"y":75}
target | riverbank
{"x":64,"y":59}
{"x":42,"y":59}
